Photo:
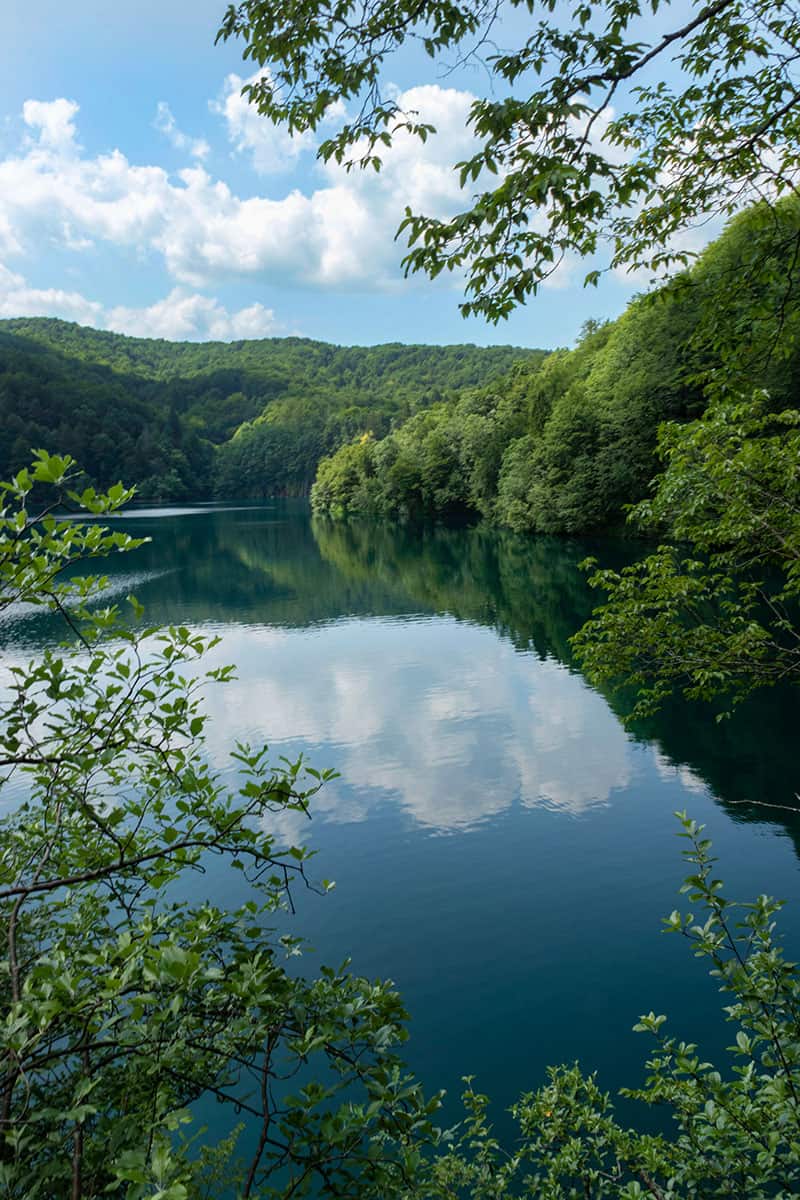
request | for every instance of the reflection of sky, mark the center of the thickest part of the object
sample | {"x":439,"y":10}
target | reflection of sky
{"x":669,"y":770}
{"x":167,"y":511}
{"x":16,"y":620}
{"x":444,"y":718}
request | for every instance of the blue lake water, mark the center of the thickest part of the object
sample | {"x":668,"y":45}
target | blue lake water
{"x":503,"y":848}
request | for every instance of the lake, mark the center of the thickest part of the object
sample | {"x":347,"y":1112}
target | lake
{"x":503,"y":848}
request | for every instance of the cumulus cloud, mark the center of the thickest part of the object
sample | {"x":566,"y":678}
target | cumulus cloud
{"x":270,"y":149}
{"x":183,"y":316}
{"x":180,"y":316}
{"x":421,"y":172}
{"x":165,"y":123}
{"x":18,"y":299}
{"x":52,"y":122}
{"x":337,"y":235}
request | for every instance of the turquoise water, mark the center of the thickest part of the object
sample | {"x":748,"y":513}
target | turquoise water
{"x":503,"y":848}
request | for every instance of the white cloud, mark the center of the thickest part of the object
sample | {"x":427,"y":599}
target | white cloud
{"x":165,"y":123}
{"x":54,"y":122}
{"x":183,"y":316}
{"x":270,"y":149}
{"x":340,"y":234}
{"x":421,"y":173}
{"x":337,"y":233}
{"x":9,"y":242}
{"x":18,"y":299}
{"x":180,"y":316}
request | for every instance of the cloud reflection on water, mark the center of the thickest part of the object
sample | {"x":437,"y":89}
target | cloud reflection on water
{"x":441,"y":717}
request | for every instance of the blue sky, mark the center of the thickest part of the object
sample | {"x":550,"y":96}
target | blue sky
{"x":138,"y":192}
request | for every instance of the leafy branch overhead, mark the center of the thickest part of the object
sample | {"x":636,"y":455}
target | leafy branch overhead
{"x":610,"y":125}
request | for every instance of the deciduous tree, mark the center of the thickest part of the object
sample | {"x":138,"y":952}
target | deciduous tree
{"x":607,"y":125}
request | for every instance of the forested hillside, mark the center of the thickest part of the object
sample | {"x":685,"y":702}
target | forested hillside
{"x":554,"y":444}
{"x":564,"y":448}
{"x":190,"y":420}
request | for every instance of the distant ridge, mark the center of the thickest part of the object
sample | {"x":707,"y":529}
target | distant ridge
{"x":160,"y":414}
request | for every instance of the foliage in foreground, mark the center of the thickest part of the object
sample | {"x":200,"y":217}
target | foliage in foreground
{"x":126,"y":995}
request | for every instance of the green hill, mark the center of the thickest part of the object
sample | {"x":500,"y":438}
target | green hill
{"x":565,"y":446}
{"x":188,"y":420}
